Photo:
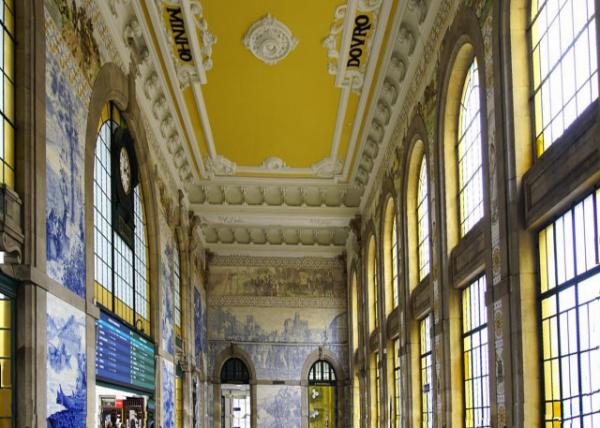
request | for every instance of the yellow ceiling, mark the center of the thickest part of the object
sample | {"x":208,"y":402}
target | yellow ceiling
{"x":256,"y":111}
{"x":288,"y":109}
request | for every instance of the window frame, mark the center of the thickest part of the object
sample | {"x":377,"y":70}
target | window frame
{"x":469,"y":333}
{"x":535,"y":150}
{"x":427,"y":369}
{"x":112,"y":117}
{"x":427,"y":217}
{"x":555,"y":291}
{"x":460,"y":187}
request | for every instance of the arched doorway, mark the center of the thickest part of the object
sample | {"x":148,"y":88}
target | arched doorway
{"x":322,"y":399}
{"x":236,"y":404}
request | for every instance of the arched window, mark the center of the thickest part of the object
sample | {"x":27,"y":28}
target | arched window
{"x":423,"y":220}
{"x":373,"y":285}
{"x":469,"y":153}
{"x":177,"y":283}
{"x":564,"y":65}
{"x":426,"y":365}
{"x":390,"y":257}
{"x":236,"y":406}
{"x":7,"y":104}
{"x":121,"y":283}
{"x":569,"y":301}
{"x":322,"y":408}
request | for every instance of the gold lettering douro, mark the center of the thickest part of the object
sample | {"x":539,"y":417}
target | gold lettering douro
{"x":359,"y":37}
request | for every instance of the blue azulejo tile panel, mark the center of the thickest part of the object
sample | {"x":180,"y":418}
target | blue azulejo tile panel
{"x":167,"y":328}
{"x":168,"y":394}
{"x":200,"y":344}
{"x":65,"y":118}
{"x":279,"y":406}
{"x":66,"y":365}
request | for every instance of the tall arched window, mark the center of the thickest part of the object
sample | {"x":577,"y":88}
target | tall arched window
{"x":322,"y":399}
{"x":564,"y":65}
{"x":373,"y":284}
{"x":423,"y":220}
{"x":469,"y":153}
{"x":390,"y":256}
{"x":121,"y":283}
{"x":569,"y":301}
{"x":177,"y":283}
{"x":7,"y":105}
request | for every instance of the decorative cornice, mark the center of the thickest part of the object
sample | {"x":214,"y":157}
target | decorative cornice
{"x":446,"y":11}
{"x":270,"y":40}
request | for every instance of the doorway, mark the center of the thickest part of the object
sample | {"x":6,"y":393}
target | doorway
{"x":236,"y":402}
{"x":322,"y":399}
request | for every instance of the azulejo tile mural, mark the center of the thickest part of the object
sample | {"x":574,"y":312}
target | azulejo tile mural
{"x":277,"y":361}
{"x":167,"y":328}
{"x":296,"y":325}
{"x":200,"y":345}
{"x":168,"y":394}
{"x":66,"y":365}
{"x":280,"y":281}
{"x":279,"y":406}
{"x":65,"y":128}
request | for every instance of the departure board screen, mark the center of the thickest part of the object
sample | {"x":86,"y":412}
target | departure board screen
{"x":123,"y":357}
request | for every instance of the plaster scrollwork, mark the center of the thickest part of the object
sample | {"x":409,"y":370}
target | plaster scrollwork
{"x":274,"y":164}
{"x":330,"y":42}
{"x":353,"y":79}
{"x":132,"y":31}
{"x":327,"y":168}
{"x":369,"y":5}
{"x":420,"y":7}
{"x":220,"y":165}
{"x":270,"y":40}
{"x":186,"y":74}
{"x":208,"y":39}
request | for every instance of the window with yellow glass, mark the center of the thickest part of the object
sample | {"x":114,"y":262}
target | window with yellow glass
{"x":569,"y":302}
{"x":121,"y":271}
{"x":7,"y":88}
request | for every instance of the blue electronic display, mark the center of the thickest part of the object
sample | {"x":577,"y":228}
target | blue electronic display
{"x":123,"y":356}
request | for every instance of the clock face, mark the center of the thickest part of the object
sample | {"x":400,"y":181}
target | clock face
{"x":125,"y":169}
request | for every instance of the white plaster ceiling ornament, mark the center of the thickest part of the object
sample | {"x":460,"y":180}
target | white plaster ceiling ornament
{"x":270,"y":40}
{"x":274,"y":164}
{"x":327,"y":168}
{"x":220,"y":165}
